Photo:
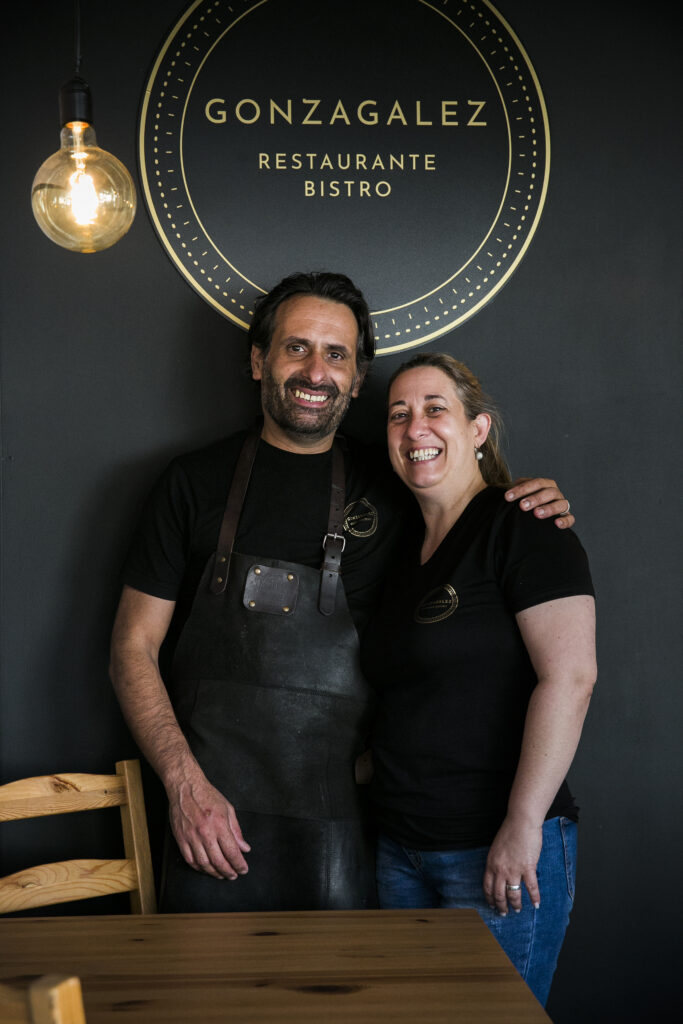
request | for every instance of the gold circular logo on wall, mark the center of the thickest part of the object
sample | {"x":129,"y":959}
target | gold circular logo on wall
{"x":437,"y":605}
{"x":405,"y":142}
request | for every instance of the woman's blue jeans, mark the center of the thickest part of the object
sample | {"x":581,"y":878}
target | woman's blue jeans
{"x":532,"y":939}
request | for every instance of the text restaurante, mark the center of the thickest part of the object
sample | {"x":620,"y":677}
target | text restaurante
{"x":446,"y":113}
{"x":346,"y":162}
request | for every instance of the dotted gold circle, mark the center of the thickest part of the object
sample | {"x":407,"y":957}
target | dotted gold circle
{"x":460,"y":292}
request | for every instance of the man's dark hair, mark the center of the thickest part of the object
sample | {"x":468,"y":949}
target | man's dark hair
{"x":324,"y":285}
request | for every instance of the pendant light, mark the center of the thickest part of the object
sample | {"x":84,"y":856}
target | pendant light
{"x":83,"y":198}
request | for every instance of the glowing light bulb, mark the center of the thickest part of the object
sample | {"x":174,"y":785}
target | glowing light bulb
{"x":83,"y":198}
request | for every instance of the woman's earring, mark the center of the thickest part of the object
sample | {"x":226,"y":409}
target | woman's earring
{"x":478,"y":454}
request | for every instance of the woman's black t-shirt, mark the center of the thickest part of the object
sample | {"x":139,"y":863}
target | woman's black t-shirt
{"x":453,"y":676}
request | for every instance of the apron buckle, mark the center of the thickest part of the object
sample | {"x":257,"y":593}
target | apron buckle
{"x":335,"y":537}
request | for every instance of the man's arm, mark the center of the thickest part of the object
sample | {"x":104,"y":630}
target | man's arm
{"x":544,"y":497}
{"x":204,"y":823}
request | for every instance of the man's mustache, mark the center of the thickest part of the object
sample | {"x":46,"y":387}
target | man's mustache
{"x":301,"y":382}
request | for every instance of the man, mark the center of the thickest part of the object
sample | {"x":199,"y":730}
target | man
{"x":239,"y":553}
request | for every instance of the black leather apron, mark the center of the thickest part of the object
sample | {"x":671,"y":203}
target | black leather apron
{"x":274,"y":706}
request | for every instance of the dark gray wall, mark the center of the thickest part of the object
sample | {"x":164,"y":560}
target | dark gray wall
{"x":111,"y":362}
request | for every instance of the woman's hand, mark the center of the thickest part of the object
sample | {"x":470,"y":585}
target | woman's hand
{"x":512,"y":861}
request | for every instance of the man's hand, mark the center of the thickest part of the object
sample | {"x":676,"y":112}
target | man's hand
{"x":544,"y":497}
{"x":206,"y":829}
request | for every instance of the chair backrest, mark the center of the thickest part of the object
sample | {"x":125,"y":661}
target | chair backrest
{"x":52,"y":999}
{"x":80,"y":879}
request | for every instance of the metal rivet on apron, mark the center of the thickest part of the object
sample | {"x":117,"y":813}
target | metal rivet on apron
{"x":257,"y":571}
{"x":219,"y":579}
{"x":222,"y":558}
{"x":252,"y":604}
{"x":285,"y":608}
{"x":290,"y":577}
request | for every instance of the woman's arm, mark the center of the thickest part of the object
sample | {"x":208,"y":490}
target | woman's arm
{"x":560,"y":638}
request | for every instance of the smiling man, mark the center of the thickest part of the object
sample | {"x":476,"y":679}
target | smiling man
{"x":258,"y":559}
{"x":308,"y":372}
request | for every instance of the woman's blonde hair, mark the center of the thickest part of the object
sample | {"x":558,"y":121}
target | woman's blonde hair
{"x":493,"y":466}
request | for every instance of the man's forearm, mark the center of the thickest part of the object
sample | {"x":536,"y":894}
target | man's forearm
{"x":149,"y":714}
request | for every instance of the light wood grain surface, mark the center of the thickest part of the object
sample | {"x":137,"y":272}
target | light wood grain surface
{"x":47,"y":884}
{"x":59,"y":794}
{"x":314,"y":967}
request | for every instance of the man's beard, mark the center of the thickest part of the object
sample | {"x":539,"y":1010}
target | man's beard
{"x":295,"y":421}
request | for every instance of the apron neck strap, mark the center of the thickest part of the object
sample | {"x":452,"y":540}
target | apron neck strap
{"x":233,"y":511}
{"x":333,"y":541}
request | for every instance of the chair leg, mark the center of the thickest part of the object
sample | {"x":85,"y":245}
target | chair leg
{"x":56,"y":999}
{"x":136,"y":837}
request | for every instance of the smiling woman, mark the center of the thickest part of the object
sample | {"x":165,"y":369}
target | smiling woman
{"x":482,"y":652}
{"x":439,"y":417}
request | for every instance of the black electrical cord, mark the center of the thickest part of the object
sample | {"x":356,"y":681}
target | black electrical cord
{"x":75,"y":100}
{"x":77,"y":36}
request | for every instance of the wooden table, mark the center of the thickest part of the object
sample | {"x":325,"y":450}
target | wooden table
{"x":318,"y":967}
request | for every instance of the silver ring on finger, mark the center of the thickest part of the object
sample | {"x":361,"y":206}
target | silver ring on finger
{"x":512,"y":888}
{"x":566,"y":511}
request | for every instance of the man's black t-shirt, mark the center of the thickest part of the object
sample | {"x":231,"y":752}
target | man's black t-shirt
{"x":453,"y":675}
{"x":285,"y":516}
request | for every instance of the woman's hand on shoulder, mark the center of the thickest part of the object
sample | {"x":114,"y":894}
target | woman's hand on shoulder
{"x":511,"y":862}
{"x":542,"y":496}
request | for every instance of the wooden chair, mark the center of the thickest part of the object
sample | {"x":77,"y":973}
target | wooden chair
{"x":53,"y":999}
{"x":80,"y":879}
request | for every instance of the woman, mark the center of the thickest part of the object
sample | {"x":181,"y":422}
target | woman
{"x":483,"y":655}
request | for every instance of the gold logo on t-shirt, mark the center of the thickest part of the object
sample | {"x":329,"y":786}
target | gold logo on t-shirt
{"x":360,"y":518}
{"x":438,"y":604}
